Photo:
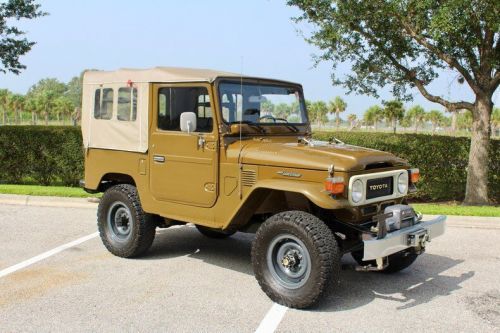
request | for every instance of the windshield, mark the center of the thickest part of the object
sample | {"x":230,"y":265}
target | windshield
{"x":261,"y":104}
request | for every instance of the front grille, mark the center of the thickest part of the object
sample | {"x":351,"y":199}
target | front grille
{"x":379,"y":187}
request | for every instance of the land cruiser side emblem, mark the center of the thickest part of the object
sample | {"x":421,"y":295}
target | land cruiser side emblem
{"x":289,"y":174}
{"x":378,"y":187}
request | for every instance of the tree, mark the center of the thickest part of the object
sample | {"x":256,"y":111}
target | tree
{"x":337,"y":106}
{"x":373,"y":115}
{"x":436,"y":118}
{"x":16,"y":104}
{"x":63,"y":106}
{"x":416,"y":115}
{"x":352,"y":120}
{"x":407,"y":44}
{"x":394,"y":111}
{"x":464,"y":120}
{"x":44,"y":93}
{"x":4,"y":102}
{"x":318,"y":112}
{"x":13,"y":44}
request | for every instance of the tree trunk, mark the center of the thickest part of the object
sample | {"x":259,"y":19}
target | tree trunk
{"x":476,"y":192}
{"x":17,"y":117}
{"x":416,"y":126}
{"x":4,"y":116}
{"x":394,"y":125}
{"x":33,"y":119}
{"x":337,"y":117}
{"x":376,"y":125}
{"x":46,"y":118}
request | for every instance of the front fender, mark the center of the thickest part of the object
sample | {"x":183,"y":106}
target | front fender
{"x":311,"y":190}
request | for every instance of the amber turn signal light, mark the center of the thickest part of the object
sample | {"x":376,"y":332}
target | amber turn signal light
{"x":414,"y":175}
{"x":334,"y":185}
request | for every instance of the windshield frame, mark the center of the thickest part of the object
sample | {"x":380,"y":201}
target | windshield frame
{"x":267,"y":82}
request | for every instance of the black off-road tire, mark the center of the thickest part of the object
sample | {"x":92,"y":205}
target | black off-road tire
{"x":142,"y":225}
{"x":322,"y":249}
{"x":397,"y":261}
{"x":214,"y":233}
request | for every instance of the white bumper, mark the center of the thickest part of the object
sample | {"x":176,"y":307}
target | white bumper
{"x":400,"y":240}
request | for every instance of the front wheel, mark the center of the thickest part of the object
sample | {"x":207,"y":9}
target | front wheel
{"x":295,"y":258}
{"x":125,"y":229}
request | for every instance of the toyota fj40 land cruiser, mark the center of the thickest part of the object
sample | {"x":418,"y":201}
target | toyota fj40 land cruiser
{"x":231,"y":153}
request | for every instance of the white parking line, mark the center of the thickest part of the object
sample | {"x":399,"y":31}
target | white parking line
{"x":45,"y":255}
{"x":272,"y":319}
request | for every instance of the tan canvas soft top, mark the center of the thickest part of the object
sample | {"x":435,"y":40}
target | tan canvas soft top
{"x":116,"y":134}
{"x":157,"y":74}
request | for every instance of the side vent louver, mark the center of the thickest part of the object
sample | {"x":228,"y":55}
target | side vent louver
{"x":248,"y":178}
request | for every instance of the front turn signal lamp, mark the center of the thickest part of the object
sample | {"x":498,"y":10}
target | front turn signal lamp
{"x":335,"y":185}
{"x":414,"y":175}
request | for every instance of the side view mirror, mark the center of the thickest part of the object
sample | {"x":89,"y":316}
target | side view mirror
{"x":188,"y":122}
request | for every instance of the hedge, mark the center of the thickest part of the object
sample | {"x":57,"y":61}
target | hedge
{"x":442,"y":160}
{"x":46,"y":155}
{"x":54,"y":155}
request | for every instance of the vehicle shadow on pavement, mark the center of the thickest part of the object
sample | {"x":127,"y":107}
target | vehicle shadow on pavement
{"x":421,"y":283}
{"x":230,"y":253}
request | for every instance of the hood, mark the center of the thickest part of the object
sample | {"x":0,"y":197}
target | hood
{"x":317,"y":157}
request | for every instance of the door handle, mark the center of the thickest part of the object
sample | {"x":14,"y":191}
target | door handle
{"x":159,"y":158}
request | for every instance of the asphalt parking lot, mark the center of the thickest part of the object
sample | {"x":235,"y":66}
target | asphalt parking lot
{"x":189,"y":283}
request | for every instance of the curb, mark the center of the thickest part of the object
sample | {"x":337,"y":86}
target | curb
{"x":29,"y":200}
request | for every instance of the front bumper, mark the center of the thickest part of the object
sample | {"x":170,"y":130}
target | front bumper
{"x":399,"y":240}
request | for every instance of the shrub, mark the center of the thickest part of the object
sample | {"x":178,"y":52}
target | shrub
{"x":54,"y":155}
{"x":44,"y":155}
{"x":442,"y":160}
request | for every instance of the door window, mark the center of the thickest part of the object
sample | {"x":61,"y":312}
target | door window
{"x":174,"y":101}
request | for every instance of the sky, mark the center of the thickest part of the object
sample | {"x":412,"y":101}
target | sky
{"x":255,"y":37}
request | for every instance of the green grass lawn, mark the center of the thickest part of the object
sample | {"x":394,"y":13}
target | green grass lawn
{"x":56,"y":191}
{"x":456,"y":209}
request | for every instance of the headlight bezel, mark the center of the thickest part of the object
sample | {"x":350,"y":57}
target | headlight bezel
{"x":357,"y":194}
{"x":402,"y":183}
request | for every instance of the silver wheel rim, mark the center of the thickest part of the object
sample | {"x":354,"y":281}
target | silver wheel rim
{"x":289,"y":261}
{"x":119,"y":221}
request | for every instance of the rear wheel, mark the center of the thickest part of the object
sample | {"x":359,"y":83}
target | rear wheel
{"x":125,"y":229}
{"x":397,"y":261}
{"x":295,"y":258}
{"x":214,"y":233}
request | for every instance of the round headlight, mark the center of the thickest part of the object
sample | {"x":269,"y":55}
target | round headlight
{"x":357,"y":191}
{"x":403,"y":182}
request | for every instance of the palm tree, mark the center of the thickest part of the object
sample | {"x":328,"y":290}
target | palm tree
{"x":30,"y":105}
{"x":318,"y":112}
{"x":436,"y":118}
{"x":416,"y":115}
{"x":394,"y":111}
{"x":337,"y":106}
{"x":373,"y":115}
{"x":352,"y":120}
{"x":16,"y":104}
{"x":4,"y":102}
{"x":63,"y":106}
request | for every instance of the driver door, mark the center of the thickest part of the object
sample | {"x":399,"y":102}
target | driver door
{"x":183,"y":165}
